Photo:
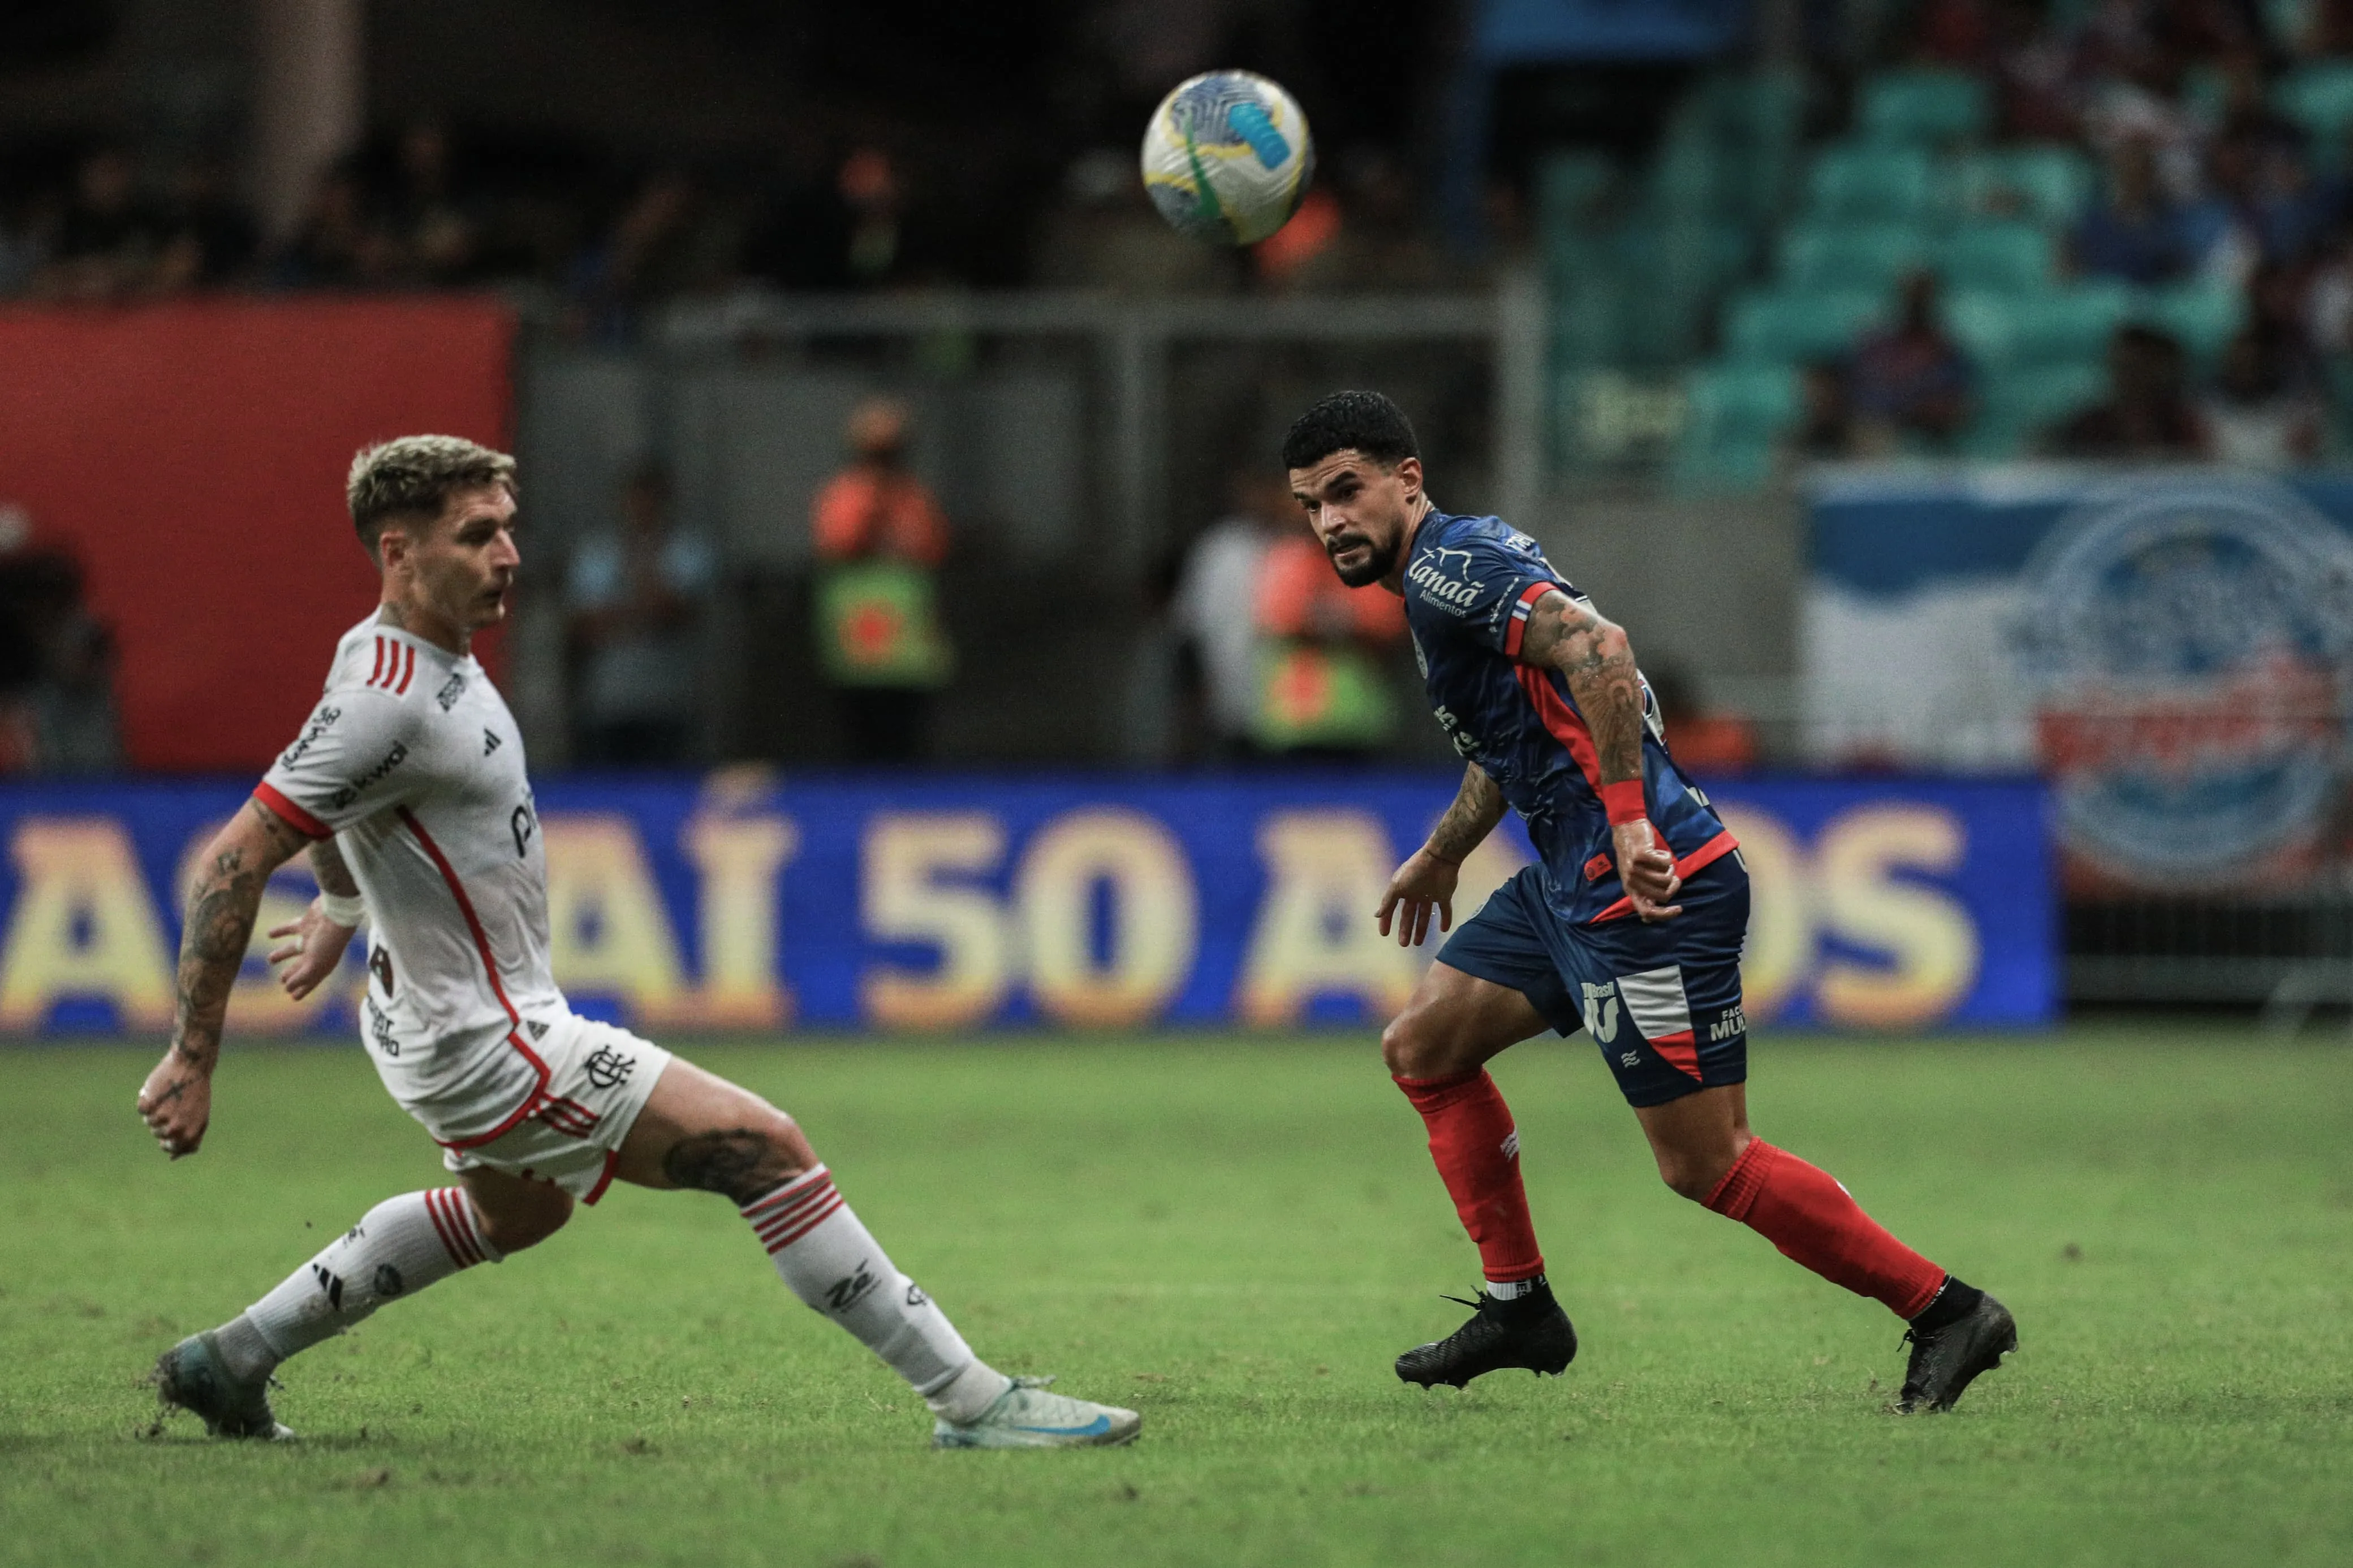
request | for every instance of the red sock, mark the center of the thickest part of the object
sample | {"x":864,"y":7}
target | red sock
{"x":1478,"y":1153}
{"x":1814,"y":1221}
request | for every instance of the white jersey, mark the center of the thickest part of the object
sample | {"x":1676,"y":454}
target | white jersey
{"x":414,"y":765}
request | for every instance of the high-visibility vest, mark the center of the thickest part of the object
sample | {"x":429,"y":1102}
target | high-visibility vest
{"x":878,"y":624}
{"x":1320,"y":694}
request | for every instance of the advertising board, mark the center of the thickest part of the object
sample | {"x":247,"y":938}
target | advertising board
{"x":742,"y":903}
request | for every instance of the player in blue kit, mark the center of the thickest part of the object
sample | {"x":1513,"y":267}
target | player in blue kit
{"x":1628,"y":925}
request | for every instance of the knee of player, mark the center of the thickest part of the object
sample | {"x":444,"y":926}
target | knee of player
{"x":1686,"y":1178}
{"x":524,"y":1217}
{"x":1412,"y":1047}
{"x":743,"y":1161}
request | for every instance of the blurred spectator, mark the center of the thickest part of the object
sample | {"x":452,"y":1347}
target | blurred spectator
{"x":1826,"y":414}
{"x":2138,"y":234}
{"x":642,"y":258}
{"x":213,"y":238}
{"x":2033,"y":70}
{"x":1216,"y":605}
{"x":871,"y":189}
{"x":1323,"y":691}
{"x":109,"y":239}
{"x":339,"y":243}
{"x":435,"y":236}
{"x":1911,"y":383}
{"x":2257,"y":418}
{"x":1107,"y":235}
{"x":2147,"y":416}
{"x":57,"y":663}
{"x":881,"y":540}
{"x":636,"y":598}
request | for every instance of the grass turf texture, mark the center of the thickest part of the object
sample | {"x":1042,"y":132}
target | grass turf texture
{"x":1236,"y":1236}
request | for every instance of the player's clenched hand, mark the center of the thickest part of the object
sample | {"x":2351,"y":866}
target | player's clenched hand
{"x":176,"y":1102}
{"x":317,"y":947}
{"x":1647,"y":871}
{"x":1422,"y":883}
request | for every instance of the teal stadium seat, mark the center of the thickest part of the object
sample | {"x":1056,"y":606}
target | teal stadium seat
{"x":2014,"y":256}
{"x":1849,"y":256}
{"x":2044,"y":184}
{"x":2017,"y":406}
{"x":1735,"y":414}
{"x":2319,"y":97}
{"x":2047,"y":326}
{"x":1796,"y":325}
{"x":1871,"y":183}
{"x":1922,"y":106}
{"x":2203,"y":316}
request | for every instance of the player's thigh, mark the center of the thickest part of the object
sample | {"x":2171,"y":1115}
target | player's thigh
{"x":699,"y":1131}
{"x":1454,"y":1023}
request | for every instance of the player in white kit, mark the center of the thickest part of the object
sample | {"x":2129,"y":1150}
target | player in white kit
{"x":407,"y":786}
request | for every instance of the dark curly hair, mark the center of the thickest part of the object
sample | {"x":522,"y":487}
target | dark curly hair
{"x":1342,"y":421}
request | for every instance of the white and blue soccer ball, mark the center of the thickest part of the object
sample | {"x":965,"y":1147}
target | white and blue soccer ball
{"x":1227,"y":157}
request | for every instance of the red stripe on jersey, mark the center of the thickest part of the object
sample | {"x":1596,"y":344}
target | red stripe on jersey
{"x":1517,"y":632}
{"x":407,"y":670}
{"x":491,"y":968}
{"x":293,"y":815}
{"x":1699,"y":860}
{"x":377,"y":673}
{"x":1563,"y":721}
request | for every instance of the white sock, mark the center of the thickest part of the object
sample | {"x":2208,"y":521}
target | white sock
{"x":1513,"y":1290}
{"x":398,"y":1248}
{"x":830,"y":1262}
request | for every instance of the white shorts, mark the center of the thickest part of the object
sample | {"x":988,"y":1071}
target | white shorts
{"x":598,"y":1078}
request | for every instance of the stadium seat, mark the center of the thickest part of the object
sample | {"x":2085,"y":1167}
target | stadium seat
{"x":2319,"y":97}
{"x":1569,"y":184}
{"x":2046,"y":184}
{"x":1735,"y":414}
{"x":2203,"y":316}
{"x":2016,"y":407}
{"x":2016,"y":256}
{"x":1794,"y":325}
{"x":1922,"y":107}
{"x":1849,"y":256}
{"x":1984,"y":324}
{"x":1863,"y":183}
{"x":2058,"y":325}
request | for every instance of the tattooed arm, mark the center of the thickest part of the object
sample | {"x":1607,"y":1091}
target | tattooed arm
{"x":1428,"y":877}
{"x":176,"y":1101}
{"x":1593,"y":656}
{"x":315,"y":942}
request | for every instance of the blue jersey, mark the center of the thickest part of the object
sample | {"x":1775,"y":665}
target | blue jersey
{"x":1470,"y":584}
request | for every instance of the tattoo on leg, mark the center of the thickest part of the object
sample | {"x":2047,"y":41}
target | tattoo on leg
{"x":739,"y":1163}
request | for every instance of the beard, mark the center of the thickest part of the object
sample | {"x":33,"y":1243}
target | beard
{"x":1379,"y":559}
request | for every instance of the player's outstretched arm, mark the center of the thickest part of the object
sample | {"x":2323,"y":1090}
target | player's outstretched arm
{"x":176,"y":1101}
{"x":317,"y":941}
{"x":1593,"y":655}
{"x":1428,"y":876}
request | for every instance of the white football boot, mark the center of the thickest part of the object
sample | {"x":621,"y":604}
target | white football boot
{"x":1026,"y":1416}
{"x":190,"y":1375}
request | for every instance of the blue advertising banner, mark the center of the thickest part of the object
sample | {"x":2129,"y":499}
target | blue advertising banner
{"x":741,"y":901}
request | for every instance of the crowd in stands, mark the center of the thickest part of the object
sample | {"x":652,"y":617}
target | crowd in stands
{"x":607,"y":248}
{"x":2220,"y":135}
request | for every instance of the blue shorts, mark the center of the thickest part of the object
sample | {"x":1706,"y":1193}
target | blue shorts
{"x":1662,"y":1002}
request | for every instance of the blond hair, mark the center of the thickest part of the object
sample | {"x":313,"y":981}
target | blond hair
{"x":415,"y":476}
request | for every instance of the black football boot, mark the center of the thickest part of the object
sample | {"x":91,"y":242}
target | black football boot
{"x":1948,"y":1355}
{"x":1529,"y":1332}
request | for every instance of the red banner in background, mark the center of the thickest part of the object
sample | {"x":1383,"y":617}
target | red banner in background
{"x":193,"y":457}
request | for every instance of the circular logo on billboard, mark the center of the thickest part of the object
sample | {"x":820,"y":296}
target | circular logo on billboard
{"x":2190,"y":640}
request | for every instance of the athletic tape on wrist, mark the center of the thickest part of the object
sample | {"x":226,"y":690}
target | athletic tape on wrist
{"x":342,"y":911}
{"x":1623,"y":801}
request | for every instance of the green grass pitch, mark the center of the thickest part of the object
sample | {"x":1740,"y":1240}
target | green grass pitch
{"x":1235,"y":1235}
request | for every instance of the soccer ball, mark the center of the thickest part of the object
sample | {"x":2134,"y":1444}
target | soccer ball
{"x":1227,"y":157}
